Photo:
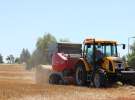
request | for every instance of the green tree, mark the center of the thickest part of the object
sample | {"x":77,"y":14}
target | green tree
{"x":43,"y":48}
{"x":10,"y":59}
{"x":124,"y":58}
{"x":43,"y":42}
{"x":41,"y":54}
{"x":17,"y":60}
{"x":131,"y":61}
{"x":1,"y":59}
{"x":38,"y":57}
{"x":24,"y":56}
{"x":131,"y":56}
{"x":132,"y":47}
{"x":64,"y":40}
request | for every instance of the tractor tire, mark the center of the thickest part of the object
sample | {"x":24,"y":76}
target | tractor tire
{"x":99,"y":80}
{"x":80,"y":75}
{"x":55,"y":79}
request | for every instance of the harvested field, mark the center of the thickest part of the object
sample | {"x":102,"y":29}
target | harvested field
{"x":18,"y":84}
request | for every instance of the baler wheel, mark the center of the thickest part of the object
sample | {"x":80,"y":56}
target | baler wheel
{"x":55,"y":79}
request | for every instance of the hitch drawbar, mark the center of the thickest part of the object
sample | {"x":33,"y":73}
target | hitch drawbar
{"x":129,"y":77}
{"x":128,"y":74}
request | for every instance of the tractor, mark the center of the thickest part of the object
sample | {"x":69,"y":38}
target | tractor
{"x":95,"y":63}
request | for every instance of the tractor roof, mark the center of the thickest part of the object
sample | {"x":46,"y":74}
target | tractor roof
{"x":91,"y":40}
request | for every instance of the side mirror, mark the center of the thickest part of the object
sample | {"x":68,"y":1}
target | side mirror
{"x":124,"y":46}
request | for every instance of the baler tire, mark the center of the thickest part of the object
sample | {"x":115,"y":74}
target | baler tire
{"x":55,"y":79}
{"x":80,"y":75}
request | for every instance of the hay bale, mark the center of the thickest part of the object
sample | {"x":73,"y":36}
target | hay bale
{"x":42,"y":74}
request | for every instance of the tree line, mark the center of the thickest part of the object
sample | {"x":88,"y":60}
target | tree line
{"x":39,"y":56}
{"x":10,"y":59}
{"x":131,"y":56}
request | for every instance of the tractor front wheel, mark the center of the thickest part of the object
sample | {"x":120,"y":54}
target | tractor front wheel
{"x":80,"y":75}
{"x":99,"y":80}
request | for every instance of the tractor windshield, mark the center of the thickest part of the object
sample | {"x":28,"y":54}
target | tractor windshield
{"x":107,"y":49}
{"x":102,"y":50}
{"x":110,"y":50}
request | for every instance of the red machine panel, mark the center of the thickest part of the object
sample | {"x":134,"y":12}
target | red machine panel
{"x":60,"y":62}
{"x":65,"y":56}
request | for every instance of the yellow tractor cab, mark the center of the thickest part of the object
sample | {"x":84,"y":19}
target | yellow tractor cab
{"x":103,"y":52}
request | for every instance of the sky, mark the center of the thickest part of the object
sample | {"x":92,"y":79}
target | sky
{"x":22,"y":22}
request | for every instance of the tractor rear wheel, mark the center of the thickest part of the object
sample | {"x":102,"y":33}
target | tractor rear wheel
{"x":80,"y":75}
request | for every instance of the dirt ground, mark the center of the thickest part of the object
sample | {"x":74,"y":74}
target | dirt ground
{"x":18,"y":84}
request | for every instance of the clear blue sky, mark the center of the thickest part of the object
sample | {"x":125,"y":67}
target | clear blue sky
{"x":22,"y":22}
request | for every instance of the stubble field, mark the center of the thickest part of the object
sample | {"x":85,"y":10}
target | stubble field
{"x":18,"y":84}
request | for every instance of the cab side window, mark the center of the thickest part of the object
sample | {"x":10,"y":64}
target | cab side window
{"x":89,"y":53}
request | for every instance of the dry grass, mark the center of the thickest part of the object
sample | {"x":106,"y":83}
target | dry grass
{"x":18,"y":84}
{"x":42,"y":73}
